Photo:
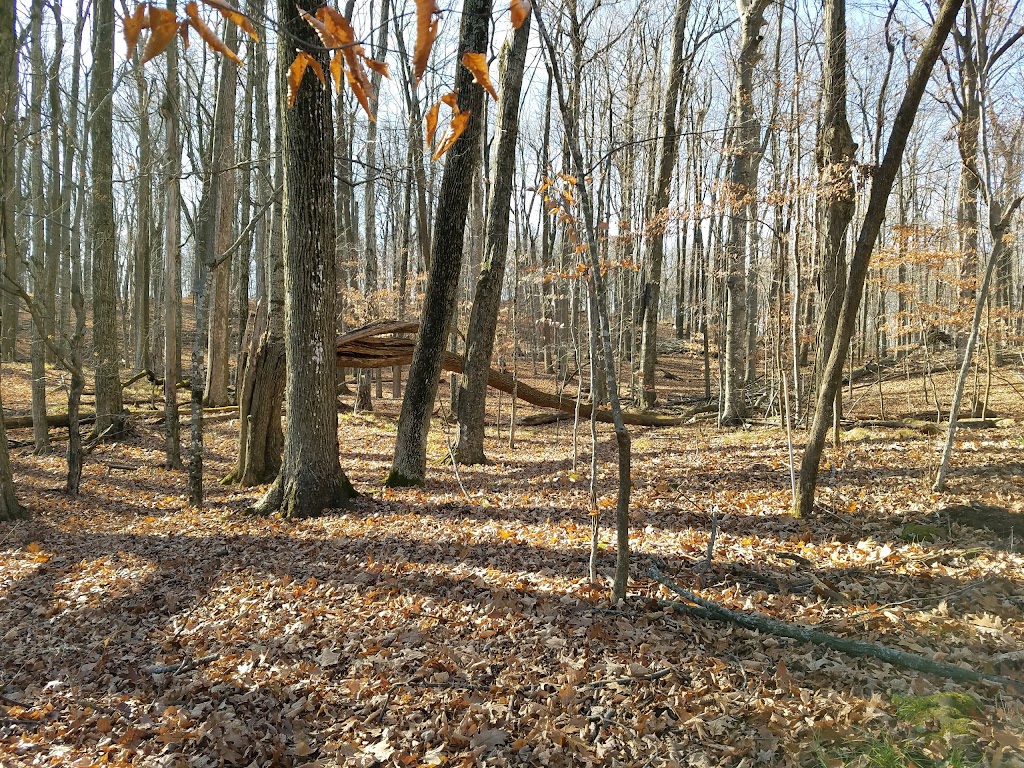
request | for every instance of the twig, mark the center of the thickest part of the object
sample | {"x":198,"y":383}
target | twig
{"x":183,"y":666}
{"x":706,"y":609}
{"x":651,"y":676}
{"x":706,"y":566}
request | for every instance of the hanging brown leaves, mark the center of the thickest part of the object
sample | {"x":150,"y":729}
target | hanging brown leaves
{"x":296,"y":72}
{"x":208,"y":35}
{"x":163,"y":25}
{"x":431,"y":120}
{"x":133,"y":25}
{"x":455,"y":129}
{"x":235,"y":16}
{"x":477,"y":64}
{"x":428,"y":17}
{"x":520,"y":11}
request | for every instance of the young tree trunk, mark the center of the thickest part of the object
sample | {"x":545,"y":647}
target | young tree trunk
{"x":483,"y":319}
{"x":222,"y":212}
{"x":143,"y":232}
{"x":104,"y":261}
{"x":172,"y":261}
{"x":662,"y":192}
{"x":998,"y":226}
{"x":9,"y":94}
{"x":742,"y":188}
{"x":310,"y":479}
{"x":37,"y":333}
{"x":410,"y":461}
{"x":880,"y":188}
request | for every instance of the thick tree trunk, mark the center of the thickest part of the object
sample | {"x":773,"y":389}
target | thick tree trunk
{"x":880,"y":188}
{"x":742,"y":188}
{"x":834,"y":157}
{"x":662,"y":191}
{"x":143,"y":234}
{"x":310,"y":479}
{"x":410,"y":461}
{"x":483,"y":319}
{"x":104,"y":261}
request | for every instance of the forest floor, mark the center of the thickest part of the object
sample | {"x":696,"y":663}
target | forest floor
{"x":455,"y":624}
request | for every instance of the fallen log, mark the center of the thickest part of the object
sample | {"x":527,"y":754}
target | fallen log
{"x":53,"y":420}
{"x":368,"y":347}
{"x":706,"y":609}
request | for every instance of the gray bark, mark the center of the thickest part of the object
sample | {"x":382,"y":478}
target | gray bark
{"x":310,"y":479}
{"x":410,"y":461}
{"x":483,"y":319}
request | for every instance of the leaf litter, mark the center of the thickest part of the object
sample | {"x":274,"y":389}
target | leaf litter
{"x":425,"y":628}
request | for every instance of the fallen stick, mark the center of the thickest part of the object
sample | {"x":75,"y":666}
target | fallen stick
{"x":706,"y":609}
{"x":181,"y":666}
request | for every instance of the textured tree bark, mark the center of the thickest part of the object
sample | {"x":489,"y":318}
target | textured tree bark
{"x":310,"y":479}
{"x":742,"y":185}
{"x":104,"y":262}
{"x":9,"y":94}
{"x":172,"y":262}
{"x":222,"y":211}
{"x":410,"y":461}
{"x":880,"y":188}
{"x":37,"y":332}
{"x":834,"y":157}
{"x":142,"y":255}
{"x":663,"y":187}
{"x":483,"y":319}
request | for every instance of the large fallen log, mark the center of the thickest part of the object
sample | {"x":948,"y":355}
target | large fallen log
{"x":53,"y":420}
{"x":369,"y":347}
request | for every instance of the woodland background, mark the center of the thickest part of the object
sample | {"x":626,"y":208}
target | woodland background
{"x":732,"y":232}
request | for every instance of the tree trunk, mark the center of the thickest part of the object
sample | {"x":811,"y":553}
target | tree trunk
{"x":9,"y":94}
{"x":410,"y":461}
{"x":104,"y":261}
{"x":880,"y":188}
{"x":742,"y":189}
{"x":483,"y":319}
{"x":834,"y":157}
{"x":662,"y":191}
{"x":222,"y":213}
{"x":37,"y":332}
{"x":172,"y":262}
{"x":310,"y":479}
{"x":143,"y":233}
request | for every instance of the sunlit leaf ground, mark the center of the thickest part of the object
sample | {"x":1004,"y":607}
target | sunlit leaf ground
{"x":455,"y":624}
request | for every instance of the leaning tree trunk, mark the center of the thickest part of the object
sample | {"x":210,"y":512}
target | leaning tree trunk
{"x":999,"y":223}
{"x":483,"y":319}
{"x":310,"y":479}
{"x":880,"y":188}
{"x":663,"y":187}
{"x":410,"y":462}
{"x":742,"y":187}
{"x":104,"y":261}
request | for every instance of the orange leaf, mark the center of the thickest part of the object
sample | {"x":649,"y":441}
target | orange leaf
{"x":360,"y":86}
{"x":235,"y":16}
{"x":427,"y":17}
{"x":520,"y":11}
{"x":380,"y":67}
{"x":431,"y":119}
{"x":340,"y":27}
{"x":452,"y":100}
{"x":132,"y":26}
{"x":336,"y":67}
{"x":164,"y":26}
{"x":456,"y":129}
{"x":296,"y":72}
{"x":477,"y":64}
{"x":214,"y":42}
{"x":326,"y":36}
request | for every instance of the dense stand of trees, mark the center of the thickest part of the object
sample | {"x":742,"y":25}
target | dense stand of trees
{"x":697,"y":169}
